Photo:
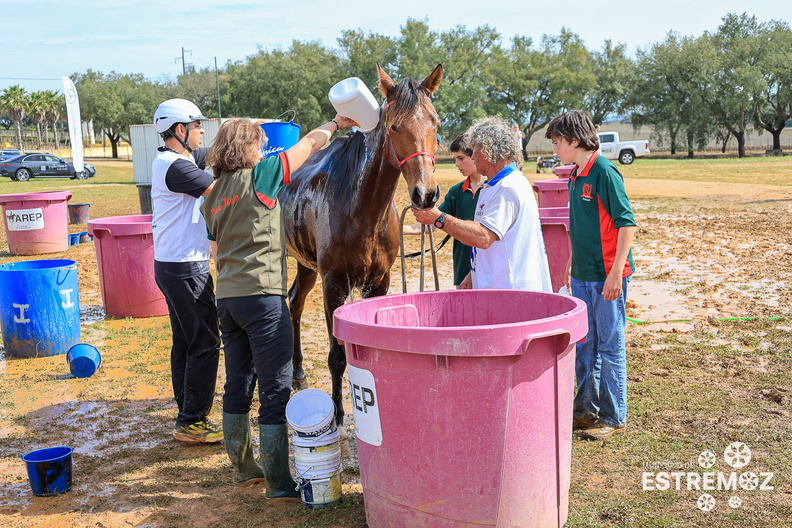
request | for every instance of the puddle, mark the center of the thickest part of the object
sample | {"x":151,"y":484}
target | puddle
{"x":91,"y":314}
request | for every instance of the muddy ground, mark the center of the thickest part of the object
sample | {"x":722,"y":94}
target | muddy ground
{"x":700,"y":258}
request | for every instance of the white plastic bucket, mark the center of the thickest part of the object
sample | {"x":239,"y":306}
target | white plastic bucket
{"x":351,"y":98}
{"x":315,"y":441}
{"x":321,"y":493}
{"x":299,"y":450}
{"x":310,"y":413}
{"x":317,"y":464}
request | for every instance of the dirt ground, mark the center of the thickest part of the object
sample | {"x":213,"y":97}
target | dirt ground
{"x":700,"y":255}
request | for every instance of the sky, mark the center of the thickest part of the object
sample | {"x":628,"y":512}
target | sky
{"x":53,"y":39}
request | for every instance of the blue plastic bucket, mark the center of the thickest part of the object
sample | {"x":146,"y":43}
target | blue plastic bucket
{"x":83,"y":360}
{"x":281,"y":135}
{"x":74,"y":239}
{"x":49,"y":470}
{"x":39,"y":307}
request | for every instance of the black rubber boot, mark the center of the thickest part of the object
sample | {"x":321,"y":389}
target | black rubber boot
{"x":281,"y":487}
{"x":236,"y":428}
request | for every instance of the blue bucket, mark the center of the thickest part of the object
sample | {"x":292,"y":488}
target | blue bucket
{"x":83,"y":360}
{"x":49,"y":470}
{"x":74,"y":239}
{"x":39,"y":307}
{"x":281,"y":135}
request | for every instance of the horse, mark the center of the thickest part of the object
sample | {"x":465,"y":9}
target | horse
{"x":340,"y":219}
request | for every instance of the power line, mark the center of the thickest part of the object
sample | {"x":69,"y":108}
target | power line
{"x":26,"y":79}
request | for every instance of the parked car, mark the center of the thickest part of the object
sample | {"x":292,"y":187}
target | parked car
{"x":9,"y":153}
{"x":624,"y":151}
{"x":35,"y":165}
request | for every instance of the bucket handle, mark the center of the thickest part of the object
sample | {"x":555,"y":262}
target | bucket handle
{"x":302,"y":481}
{"x":563,"y":335}
{"x":67,"y":269}
{"x":294,"y":115}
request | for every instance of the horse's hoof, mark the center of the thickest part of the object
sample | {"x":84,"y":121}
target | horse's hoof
{"x":299,"y":384}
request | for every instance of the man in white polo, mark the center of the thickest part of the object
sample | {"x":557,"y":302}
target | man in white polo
{"x":507,"y":248}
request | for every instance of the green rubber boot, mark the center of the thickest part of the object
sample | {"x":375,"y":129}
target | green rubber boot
{"x":281,"y":487}
{"x":239,"y":447}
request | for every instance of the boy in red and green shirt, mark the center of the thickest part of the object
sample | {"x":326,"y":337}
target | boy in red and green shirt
{"x":601,"y":229}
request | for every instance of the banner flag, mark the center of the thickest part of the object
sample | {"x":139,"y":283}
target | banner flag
{"x":75,"y":125}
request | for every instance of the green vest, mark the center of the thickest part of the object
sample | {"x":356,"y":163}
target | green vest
{"x":244,"y":218}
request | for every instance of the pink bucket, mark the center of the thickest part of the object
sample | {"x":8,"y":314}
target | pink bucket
{"x":462,"y":402}
{"x":37,"y":222}
{"x":125,"y":256}
{"x":552,"y":193}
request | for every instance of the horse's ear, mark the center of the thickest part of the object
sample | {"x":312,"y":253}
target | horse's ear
{"x":432,"y":81}
{"x":386,"y":84}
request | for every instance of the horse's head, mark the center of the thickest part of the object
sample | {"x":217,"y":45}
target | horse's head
{"x":410,"y":126}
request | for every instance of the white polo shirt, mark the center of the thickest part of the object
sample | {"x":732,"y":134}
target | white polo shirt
{"x":517,"y":260}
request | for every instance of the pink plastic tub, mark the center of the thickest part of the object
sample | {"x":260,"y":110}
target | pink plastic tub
{"x":125,"y":256}
{"x":563,"y":171}
{"x":552,"y":193}
{"x":462,"y":402}
{"x":555,"y":231}
{"x":36,"y":222}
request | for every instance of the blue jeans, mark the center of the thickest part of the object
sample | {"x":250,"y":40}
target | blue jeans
{"x":601,"y":361}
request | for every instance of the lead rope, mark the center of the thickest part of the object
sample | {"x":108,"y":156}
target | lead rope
{"x":424,"y":229}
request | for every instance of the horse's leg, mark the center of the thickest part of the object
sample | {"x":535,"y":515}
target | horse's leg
{"x":303,"y":283}
{"x":378,"y":288}
{"x":336,"y":290}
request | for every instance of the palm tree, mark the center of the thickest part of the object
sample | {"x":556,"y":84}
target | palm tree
{"x":37,"y":108}
{"x":52,"y":115}
{"x":15,"y":100}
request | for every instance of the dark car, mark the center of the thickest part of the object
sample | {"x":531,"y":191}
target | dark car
{"x":26,"y":166}
{"x":9,"y":153}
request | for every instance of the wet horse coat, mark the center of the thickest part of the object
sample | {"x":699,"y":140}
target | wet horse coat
{"x":340,"y":219}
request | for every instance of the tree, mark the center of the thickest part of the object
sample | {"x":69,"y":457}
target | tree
{"x":15,"y":100}
{"x":198,"y":86}
{"x":531,"y":86}
{"x":53,"y":112}
{"x":612,"y":71}
{"x":773,"y":102}
{"x":37,"y":109}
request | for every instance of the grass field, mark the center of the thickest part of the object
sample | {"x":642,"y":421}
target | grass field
{"x":710,"y":369}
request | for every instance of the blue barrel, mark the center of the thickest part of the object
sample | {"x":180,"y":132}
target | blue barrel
{"x":281,"y":135}
{"x":39,"y":307}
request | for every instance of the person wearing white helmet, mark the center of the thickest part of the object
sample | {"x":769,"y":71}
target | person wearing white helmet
{"x":181,"y":266}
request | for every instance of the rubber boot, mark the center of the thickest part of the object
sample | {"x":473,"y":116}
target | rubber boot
{"x":239,"y":447}
{"x":281,"y":487}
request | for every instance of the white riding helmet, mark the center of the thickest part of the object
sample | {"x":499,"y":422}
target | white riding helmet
{"x":175,"y":111}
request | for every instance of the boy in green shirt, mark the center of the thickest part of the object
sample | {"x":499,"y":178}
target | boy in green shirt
{"x":601,"y":229}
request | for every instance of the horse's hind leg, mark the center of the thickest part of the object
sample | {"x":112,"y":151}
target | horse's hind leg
{"x":336,"y":290}
{"x":302,"y":285}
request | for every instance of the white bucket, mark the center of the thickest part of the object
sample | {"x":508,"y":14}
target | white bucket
{"x":317,"y":464}
{"x":351,"y":98}
{"x":311,"y":413}
{"x":321,"y":493}
{"x":333,"y":446}
{"x":312,"y":441}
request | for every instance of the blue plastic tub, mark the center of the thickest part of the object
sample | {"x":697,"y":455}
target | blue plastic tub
{"x":49,"y":470}
{"x":39,"y":307}
{"x":83,"y":360}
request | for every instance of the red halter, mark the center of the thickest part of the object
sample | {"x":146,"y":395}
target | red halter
{"x":391,"y":152}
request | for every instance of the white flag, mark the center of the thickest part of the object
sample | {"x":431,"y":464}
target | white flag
{"x":75,"y":127}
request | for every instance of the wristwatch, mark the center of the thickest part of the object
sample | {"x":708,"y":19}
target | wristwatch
{"x":440,"y":222}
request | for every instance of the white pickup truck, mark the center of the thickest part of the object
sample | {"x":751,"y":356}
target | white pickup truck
{"x":624,"y":151}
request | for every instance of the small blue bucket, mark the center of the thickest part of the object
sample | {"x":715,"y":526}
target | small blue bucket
{"x":49,"y":470}
{"x":281,"y":135}
{"x":74,"y":239}
{"x":83,"y":360}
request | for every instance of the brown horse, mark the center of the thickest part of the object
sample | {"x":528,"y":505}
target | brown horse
{"x":340,"y":218}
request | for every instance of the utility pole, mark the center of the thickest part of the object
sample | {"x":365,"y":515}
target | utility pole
{"x":217,"y":84}
{"x":184,"y":63}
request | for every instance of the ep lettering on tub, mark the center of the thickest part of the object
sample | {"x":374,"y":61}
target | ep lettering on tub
{"x":363,"y":391}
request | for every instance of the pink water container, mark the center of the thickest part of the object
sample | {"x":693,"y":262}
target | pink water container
{"x":564,"y":171}
{"x":37,"y":222}
{"x":125,"y":257}
{"x":555,"y":231}
{"x":462,"y":402}
{"x":552,"y":193}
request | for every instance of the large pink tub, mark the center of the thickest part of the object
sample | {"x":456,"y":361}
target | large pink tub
{"x":36,"y":222}
{"x":555,"y":231}
{"x":463,"y":405}
{"x":125,"y":256}
{"x":552,"y":193}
